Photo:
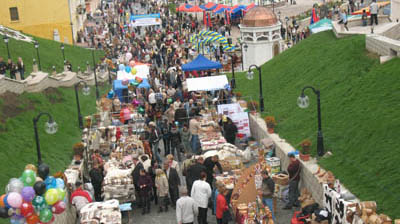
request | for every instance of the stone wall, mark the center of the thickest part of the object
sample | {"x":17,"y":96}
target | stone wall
{"x":394,"y":32}
{"x":382,"y":45}
{"x":308,"y":180}
{"x":11,"y":85}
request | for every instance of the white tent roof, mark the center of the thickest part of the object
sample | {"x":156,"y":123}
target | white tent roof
{"x":207,"y":83}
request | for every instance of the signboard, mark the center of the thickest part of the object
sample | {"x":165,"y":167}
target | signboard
{"x":145,"y":20}
{"x":336,"y":207}
{"x":240,"y":118}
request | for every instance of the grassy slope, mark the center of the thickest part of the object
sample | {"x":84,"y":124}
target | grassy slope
{"x":50,"y":54}
{"x":18,"y":142}
{"x":360,"y":110}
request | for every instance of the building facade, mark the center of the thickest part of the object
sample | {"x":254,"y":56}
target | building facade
{"x":58,"y":20}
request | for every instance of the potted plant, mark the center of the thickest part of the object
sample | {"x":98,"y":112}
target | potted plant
{"x":238,"y":95}
{"x":306,"y":148}
{"x":252,"y":106}
{"x":78,"y":149}
{"x":271,"y":123}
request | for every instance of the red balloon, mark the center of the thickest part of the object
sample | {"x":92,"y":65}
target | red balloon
{"x":33,"y":219}
{"x":59,"y":207}
{"x":26,"y":209}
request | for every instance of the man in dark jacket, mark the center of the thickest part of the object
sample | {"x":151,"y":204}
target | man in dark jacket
{"x":173,"y":181}
{"x":194,"y":172}
{"x":268,"y":189}
{"x":96,"y":176}
{"x":294,"y":178}
{"x":136,"y":175}
{"x":230,"y":131}
{"x":210,"y":163}
{"x":181,"y":115}
{"x":3,"y":66}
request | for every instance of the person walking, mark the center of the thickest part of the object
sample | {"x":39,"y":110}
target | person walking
{"x":166,"y":136}
{"x":96,"y":177}
{"x":201,"y":193}
{"x":195,"y":128}
{"x":173,"y":182}
{"x":161,"y":183}
{"x":373,"y":9}
{"x":268,"y":189}
{"x":176,"y":141}
{"x":294,"y":178}
{"x":194,"y":172}
{"x":185,"y":137}
{"x":155,"y":140}
{"x":135,"y":176}
{"x":186,"y":208}
{"x":145,"y":187}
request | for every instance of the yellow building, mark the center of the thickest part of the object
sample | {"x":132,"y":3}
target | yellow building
{"x":58,"y":20}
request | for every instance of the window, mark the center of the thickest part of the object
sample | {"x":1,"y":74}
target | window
{"x":14,"y":14}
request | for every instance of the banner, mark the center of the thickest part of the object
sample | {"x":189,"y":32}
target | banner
{"x":236,"y":113}
{"x":335,"y":206}
{"x":145,"y":20}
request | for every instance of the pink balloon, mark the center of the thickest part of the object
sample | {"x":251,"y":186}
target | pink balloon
{"x":59,"y":207}
{"x":14,"y":199}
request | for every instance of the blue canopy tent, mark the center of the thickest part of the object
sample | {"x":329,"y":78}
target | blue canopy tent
{"x":144,"y":84}
{"x":120,"y":90}
{"x":201,"y":63}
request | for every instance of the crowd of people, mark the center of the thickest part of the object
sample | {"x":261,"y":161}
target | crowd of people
{"x":12,"y":68}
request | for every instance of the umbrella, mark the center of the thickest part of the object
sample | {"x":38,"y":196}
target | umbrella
{"x":195,"y":9}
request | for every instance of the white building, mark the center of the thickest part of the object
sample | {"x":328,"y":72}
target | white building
{"x":260,"y":32}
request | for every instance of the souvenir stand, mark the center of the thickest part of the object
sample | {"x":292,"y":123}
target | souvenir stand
{"x":101,"y":212}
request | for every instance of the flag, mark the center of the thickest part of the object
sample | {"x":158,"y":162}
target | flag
{"x":314,"y":17}
{"x":204,"y":18}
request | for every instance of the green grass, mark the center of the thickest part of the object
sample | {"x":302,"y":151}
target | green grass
{"x":18,"y":142}
{"x":360,"y":111}
{"x":50,"y":54}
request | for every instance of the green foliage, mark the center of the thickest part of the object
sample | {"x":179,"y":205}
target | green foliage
{"x":360,"y":110}
{"x":50,"y":54}
{"x":18,"y":142}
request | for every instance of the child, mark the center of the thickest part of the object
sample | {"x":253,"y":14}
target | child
{"x":364,"y":18}
{"x":162,"y":189}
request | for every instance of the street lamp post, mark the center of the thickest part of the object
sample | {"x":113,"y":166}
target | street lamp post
{"x":36,"y":44}
{"x":95,"y":76}
{"x":86,"y":91}
{"x":51,"y":128}
{"x":62,"y":50}
{"x":233,"y":81}
{"x":109,"y":75}
{"x":303,"y":102}
{"x":250,"y":76}
{"x":6,"y":39}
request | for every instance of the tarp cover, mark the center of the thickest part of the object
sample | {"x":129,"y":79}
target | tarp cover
{"x":322,"y":25}
{"x":207,"y":83}
{"x":201,"y":63}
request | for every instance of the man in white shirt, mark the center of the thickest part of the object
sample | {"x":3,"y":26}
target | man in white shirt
{"x":373,"y":8}
{"x":201,"y":192}
{"x":186,"y":208}
{"x":152,"y":98}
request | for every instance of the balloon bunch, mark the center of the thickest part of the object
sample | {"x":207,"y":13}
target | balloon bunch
{"x":31,"y":200}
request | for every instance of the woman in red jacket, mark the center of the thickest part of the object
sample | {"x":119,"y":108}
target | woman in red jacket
{"x":222,"y":206}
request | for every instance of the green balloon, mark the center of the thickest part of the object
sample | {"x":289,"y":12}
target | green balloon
{"x":39,"y":203}
{"x":28,"y":177}
{"x":141,"y":110}
{"x":45,"y":215}
{"x":169,"y":100}
{"x":135,"y":83}
{"x":61,"y":194}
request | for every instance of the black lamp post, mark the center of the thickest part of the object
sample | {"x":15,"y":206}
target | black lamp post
{"x":95,"y":76}
{"x":51,"y":128}
{"x":233,"y":81}
{"x":109,"y":75}
{"x":62,"y":50}
{"x":86,"y":91}
{"x":36,"y":44}
{"x":303,"y":102}
{"x":250,"y":76}
{"x":6,"y":42}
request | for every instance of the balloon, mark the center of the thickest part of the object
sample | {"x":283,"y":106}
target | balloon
{"x":17,"y":220}
{"x":135,"y":83}
{"x":2,"y":205}
{"x":138,"y":79}
{"x":27,"y":209}
{"x":28,"y":177}
{"x":128,"y":69}
{"x":132,"y":64}
{"x":49,"y":222}
{"x":51,"y":196}
{"x":39,"y":203}
{"x":33,"y":219}
{"x":14,"y":199}
{"x":43,"y":171}
{"x":133,"y":71}
{"x":128,"y":56}
{"x":59,"y":207}
{"x":38,"y":179}
{"x":45,"y":215}
{"x":4,"y":213}
{"x":28,"y":193}
{"x":60,"y":194}
{"x":110,"y":94}
{"x":141,"y":110}
{"x":5,"y":202}
{"x":169,"y":100}
{"x":15,"y":185}
{"x":125,"y":82}
{"x":40,"y":187}
{"x":50,"y":182}
{"x":60,"y":183}
{"x":31,"y":167}
{"x":121,"y":67}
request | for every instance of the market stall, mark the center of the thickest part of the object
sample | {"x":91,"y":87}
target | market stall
{"x":201,"y":63}
{"x":101,"y":212}
{"x":208,"y":83}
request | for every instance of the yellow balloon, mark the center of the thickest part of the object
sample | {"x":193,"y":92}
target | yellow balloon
{"x":133,"y":71}
{"x":51,"y":196}
{"x":31,"y":167}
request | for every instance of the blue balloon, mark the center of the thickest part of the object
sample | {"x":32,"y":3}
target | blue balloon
{"x":60,"y":183}
{"x":128,"y":69}
{"x":121,"y":67}
{"x":50,"y":182}
{"x":110,"y":94}
{"x":5,"y":202}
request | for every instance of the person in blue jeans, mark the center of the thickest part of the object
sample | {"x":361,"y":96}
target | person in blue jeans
{"x":268,"y":189}
{"x":155,"y":137}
